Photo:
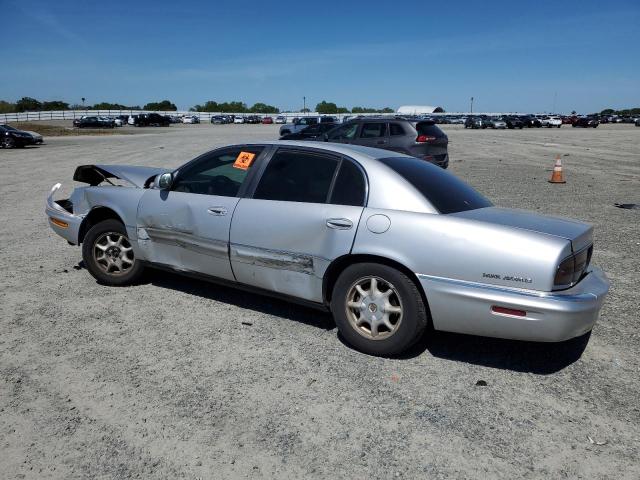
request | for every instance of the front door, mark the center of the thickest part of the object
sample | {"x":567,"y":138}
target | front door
{"x":187,"y":227}
{"x":303,"y":215}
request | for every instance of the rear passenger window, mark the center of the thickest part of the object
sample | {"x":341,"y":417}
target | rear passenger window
{"x":297,"y":177}
{"x":372,"y":130}
{"x":349,"y":188}
{"x":396,"y":129}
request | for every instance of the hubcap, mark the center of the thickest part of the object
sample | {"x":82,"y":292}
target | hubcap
{"x":374,"y":308}
{"x":113,"y":253}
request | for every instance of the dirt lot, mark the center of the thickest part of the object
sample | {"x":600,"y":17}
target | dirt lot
{"x":163,"y":380}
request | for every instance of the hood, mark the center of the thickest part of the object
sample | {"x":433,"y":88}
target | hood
{"x":136,"y":176}
{"x":578,"y":233}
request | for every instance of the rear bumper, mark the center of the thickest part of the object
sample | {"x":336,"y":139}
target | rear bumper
{"x":465,"y":307}
{"x":64,"y":223}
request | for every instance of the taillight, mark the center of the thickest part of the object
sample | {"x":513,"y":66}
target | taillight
{"x":572,"y":268}
{"x":425,"y":138}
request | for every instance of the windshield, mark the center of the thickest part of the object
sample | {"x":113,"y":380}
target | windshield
{"x":446,"y":192}
{"x":8,"y":127}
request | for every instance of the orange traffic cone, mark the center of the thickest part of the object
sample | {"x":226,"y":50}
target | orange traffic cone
{"x":557,"y":176}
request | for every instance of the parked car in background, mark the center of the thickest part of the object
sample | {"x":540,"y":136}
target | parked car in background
{"x":175,"y":119}
{"x":253,"y":119}
{"x":218,"y":120}
{"x":11,"y":137}
{"x":92,"y":122}
{"x":512,"y":122}
{"x":530,"y":121}
{"x":281,"y":120}
{"x":312,"y":132}
{"x":37,"y":138}
{"x":150,"y":120}
{"x":267,"y":120}
{"x":303,"y":122}
{"x":239,"y":119}
{"x":637,"y":122}
{"x":422,"y":139}
{"x":586,"y":122}
{"x":190,"y":119}
{"x":551,"y":122}
{"x":496,"y":123}
{"x":389,"y":244}
{"x":475,"y":122}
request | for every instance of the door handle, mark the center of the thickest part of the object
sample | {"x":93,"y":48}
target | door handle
{"x":217,"y":211}
{"x":339,"y":223}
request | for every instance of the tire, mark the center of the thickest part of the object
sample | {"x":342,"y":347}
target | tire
{"x":354,"y":313}
{"x":8,"y":142}
{"x":119,"y":266}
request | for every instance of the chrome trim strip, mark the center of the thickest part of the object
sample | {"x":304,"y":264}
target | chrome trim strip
{"x":278,"y":259}
{"x":204,"y":246}
{"x":580,"y":297}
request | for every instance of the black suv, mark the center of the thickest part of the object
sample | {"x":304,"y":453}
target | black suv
{"x":151,"y":120}
{"x":418,"y":138}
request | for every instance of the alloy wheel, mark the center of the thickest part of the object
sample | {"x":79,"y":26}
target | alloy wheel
{"x":374,"y":308}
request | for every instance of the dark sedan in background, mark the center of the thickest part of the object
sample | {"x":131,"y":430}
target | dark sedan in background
{"x":93,"y":122}
{"x":586,"y":122}
{"x":13,"y":138}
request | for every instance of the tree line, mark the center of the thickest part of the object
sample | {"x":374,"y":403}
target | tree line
{"x":623,"y":113}
{"x":234,"y":107}
{"x":28,"y":104}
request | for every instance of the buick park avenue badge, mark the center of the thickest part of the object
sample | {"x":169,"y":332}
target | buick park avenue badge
{"x":508,"y":278}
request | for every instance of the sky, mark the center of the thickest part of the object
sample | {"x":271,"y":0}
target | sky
{"x":510,"y":56}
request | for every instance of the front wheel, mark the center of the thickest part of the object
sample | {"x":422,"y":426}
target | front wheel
{"x":108,"y":254}
{"x":378,"y":309}
{"x":8,"y":142}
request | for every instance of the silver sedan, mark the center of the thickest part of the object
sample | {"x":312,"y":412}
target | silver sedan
{"x":388,"y":243}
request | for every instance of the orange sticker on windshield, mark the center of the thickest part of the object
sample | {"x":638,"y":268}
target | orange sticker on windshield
{"x":244,"y":160}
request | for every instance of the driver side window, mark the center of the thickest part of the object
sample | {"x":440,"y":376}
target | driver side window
{"x":215,"y":174}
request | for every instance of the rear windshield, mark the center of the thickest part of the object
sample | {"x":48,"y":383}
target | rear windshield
{"x":446,"y":192}
{"x":428,"y":128}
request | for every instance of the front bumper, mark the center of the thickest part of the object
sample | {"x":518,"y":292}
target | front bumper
{"x":64,"y":223}
{"x":465,"y":307}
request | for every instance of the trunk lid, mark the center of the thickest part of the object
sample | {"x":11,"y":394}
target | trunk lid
{"x":580,"y":234}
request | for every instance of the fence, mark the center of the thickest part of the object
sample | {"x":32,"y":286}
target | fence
{"x":204,"y":116}
{"x":73,"y":114}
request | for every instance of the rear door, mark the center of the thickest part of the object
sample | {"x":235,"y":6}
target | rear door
{"x":303,"y":214}
{"x":373,"y":134}
{"x":187,"y":227}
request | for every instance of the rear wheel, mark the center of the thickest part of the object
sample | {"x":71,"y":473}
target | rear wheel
{"x":8,"y":142}
{"x":378,"y":309}
{"x":108,"y":254}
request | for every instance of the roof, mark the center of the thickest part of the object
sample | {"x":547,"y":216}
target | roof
{"x":418,"y":109}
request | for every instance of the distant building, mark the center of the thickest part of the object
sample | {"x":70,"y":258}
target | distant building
{"x":419,"y":109}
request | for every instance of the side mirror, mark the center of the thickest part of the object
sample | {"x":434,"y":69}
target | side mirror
{"x":164,"y":181}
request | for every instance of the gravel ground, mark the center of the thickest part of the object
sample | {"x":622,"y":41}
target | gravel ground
{"x":178,"y":378}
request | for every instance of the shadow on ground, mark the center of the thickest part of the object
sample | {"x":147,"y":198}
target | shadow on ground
{"x":532,"y":357}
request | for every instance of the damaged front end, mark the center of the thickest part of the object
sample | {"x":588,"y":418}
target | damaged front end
{"x":66,"y":216}
{"x":62,"y":220}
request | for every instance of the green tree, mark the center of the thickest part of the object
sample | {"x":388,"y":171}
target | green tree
{"x":164,"y":106}
{"x":326,"y":107}
{"x":343,"y":110}
{"x":7,"y":107}
{"x":263,"y":108}
{"x":55,"y":105}
{"x":387,"y":110}
{"x":26,"y":104}
{"x":233,"y":107}
{"x":607,"y":111}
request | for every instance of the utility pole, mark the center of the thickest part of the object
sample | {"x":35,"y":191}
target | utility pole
{"x":304,"y":104}
{"x":471,"y":111}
